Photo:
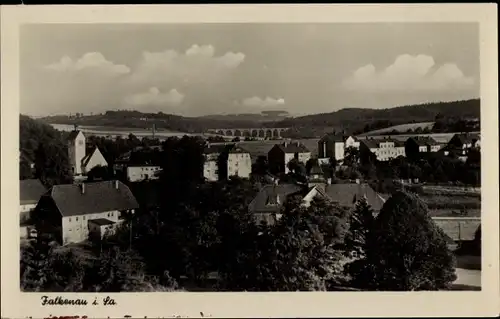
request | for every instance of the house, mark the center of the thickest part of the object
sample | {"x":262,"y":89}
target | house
{"x":415,"y":146}
{"x":351,"y":141}
{"x":30,"y":192}
{"x":239,"y":162}
{"x":141,"y":172}
{"x":332,"y":146}
{"x":211,"y":154}
{"x":384,"y":149}
{"x":464,"y":142}
{"x":69,"y":211}
{"x":281,"y":154}
{"x":267,"y":204}
{"x":80,"y":162}
{"x":140,"y":164}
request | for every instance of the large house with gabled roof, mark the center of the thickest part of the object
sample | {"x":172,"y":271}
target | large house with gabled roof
{"x":69,"y":211}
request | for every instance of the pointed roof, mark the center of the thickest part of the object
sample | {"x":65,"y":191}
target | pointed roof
{"x":89,"y":156}
{"x":73,"y":134}
{"x":238,"y":150}
{"x":293,"y":147}
{"x":334,"y":137}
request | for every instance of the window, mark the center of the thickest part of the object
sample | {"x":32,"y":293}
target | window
{"x":69,"y":219}
{"x":76,"y":218}
{"x":83,"y":217}
{"x":109,"y":214}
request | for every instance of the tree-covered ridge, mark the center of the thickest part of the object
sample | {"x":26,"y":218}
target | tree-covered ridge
{"x":45,"y":147}
{"x":351,"y":119}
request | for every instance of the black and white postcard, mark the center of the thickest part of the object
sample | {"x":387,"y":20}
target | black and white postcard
{"x":249,"y":161}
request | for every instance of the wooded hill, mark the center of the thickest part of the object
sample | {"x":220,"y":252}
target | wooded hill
{"x":350,"y":119}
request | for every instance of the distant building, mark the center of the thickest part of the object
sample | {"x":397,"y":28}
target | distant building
{"x":142,"y":172}
{"x":80,"y":162}
{"x":140,"y":164}
{"x":281,"y":154}
{"x":334,"y":145}
{"x":421,"y":144}
{"x":351,"y":141}
{"x":239,"y":162}
{"x":384,"y":149}
{"x":465,"y":141}
{"x":30,"y":192}
{"x":211,"y":155}
{"x":71,"y":211}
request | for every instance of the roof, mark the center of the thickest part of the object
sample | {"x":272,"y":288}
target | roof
{"x":238,"y":150}
{"x":270,"y":197}
{"x":316,"y":169}
{"x":348,"y":194}
{"x":31,"y":190}
{"x":87,"y":157}
{"x":73,"y":134}
{"x":333,"y":137}
{"x":214,"y":149}
{"x":467,"y":137}
{"x":375,"y":143}
{"x":458,"y":228}
{"x":101,"y":221}
{"x":97,"y":197}
{"x":369,"y":142}
{"x":424,"y":140}
{"x":293,"y":147}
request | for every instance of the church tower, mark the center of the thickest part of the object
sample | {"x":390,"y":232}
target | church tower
{"x":76,"y":150}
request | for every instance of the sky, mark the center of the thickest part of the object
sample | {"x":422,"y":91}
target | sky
{"x":201,"y":69}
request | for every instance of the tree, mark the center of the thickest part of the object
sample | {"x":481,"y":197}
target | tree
{"x":52,"y":164}
{"x":100,"y":173}
{"x":405,"y":250}
{"x":360,"y":223}
{"x":352,"y":156}
{"x":299,"y":252}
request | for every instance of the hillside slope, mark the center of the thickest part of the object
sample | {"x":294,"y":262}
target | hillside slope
{"x":354,"y":119}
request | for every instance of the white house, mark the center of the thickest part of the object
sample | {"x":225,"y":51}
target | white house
{"x":239,"y":163}
{"x":136,"y":173}
{"x":70,"y":211}
{"x":384,"y":149}
{"x":212,"y":155}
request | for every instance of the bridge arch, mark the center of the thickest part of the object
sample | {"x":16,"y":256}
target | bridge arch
{"x":229,"y":133}
{"x":255,"y":133}
{"x":237,"y":133}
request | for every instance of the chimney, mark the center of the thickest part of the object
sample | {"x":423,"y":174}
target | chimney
{"x":82,"y":186}
{"x":329,"y":181}
{"x":116,"y":184}
{"x":285,"y":143}
{"x":357,"y":181}
{"x":276,"y":181}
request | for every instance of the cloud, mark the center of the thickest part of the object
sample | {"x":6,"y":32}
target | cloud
{"x":409,"y":73}
{"x":196,"y":64}
{"x":91,"y":60}
{"x":264,"y":103}
{"x":155,"y":98}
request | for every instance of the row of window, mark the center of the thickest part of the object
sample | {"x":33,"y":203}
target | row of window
{"x":111,"y":214}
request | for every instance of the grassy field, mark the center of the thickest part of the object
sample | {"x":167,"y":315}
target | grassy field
{"x":402,"y":128}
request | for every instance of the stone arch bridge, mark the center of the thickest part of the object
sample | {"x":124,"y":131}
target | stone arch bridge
{"x":250,"y":132}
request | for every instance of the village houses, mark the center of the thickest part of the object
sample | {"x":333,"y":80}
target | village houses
{"x":211,"y":154}
{"x":281,"y":154}
{"x":72,"y":211}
